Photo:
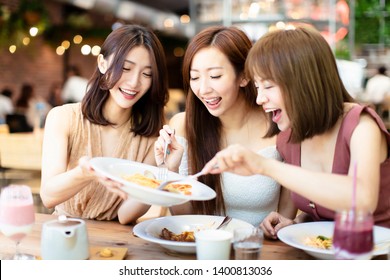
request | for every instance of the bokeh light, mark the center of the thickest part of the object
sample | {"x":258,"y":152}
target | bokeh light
{"x":60,"y":50}
{"x":65,"y":44}
{"x":33,"y":31}
{"x":77,"y":39}
{"x":86,"y":49}
{"x":12,"y":49}
{"x":95,"y":50}
{"x":26,"y":41}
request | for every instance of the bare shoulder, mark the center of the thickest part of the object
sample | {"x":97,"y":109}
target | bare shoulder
{"x":368,"y":121}
{"x":58,"y":118}
{"x":368,"y":134}
{"x":367,"y":128}
{"x":177,"y":122}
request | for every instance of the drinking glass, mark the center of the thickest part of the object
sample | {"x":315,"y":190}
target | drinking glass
{"x":213,"y":244}
{"x":17,"y":215}
{"x":353,"y":237}
{"x":247,"y":243}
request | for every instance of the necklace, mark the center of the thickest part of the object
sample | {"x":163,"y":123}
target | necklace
{"x":119,"y":126}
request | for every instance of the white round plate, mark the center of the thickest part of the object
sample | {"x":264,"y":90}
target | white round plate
{"x":115,"y":168}
{"x":296,"y":234}
{"x":150,"y":230}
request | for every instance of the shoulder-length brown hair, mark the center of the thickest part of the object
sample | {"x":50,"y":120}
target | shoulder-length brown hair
{"x":203,"y":130}
{"x":302,"y":64}
{"x":147,"y":115}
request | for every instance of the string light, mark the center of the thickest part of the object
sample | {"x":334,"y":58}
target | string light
{"x":168,"y":23}
{"x":86,"y":49}
{"x":26,"y":41}
{"x":185,"y":19}
{"x":33,"y":31}
{"x":60,"y":50}
{"x":77,"y":39}
{"x":95,"y":50}
{"x":12,"y":49}
{"x":65,"y":44}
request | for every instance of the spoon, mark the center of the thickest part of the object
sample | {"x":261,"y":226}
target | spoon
{"x":225,"y":221}
{"x":200,"y":173}
{"x":163,"y":184}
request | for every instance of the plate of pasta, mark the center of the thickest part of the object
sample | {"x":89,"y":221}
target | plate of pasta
{"x":315,"y":238}
{"x":137,"y":180}
{"x":176,"y":233}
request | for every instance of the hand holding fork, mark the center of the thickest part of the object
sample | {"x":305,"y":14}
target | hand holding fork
{"x":165,"y":145}
{"x":162,"y":168}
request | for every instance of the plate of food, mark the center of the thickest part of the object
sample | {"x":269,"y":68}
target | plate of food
{"x":176,"y":233}
{"x":137,"y":179}
{"x":315,"y":238}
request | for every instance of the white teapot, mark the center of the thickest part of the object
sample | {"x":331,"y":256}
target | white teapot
{"x":64,"y":239}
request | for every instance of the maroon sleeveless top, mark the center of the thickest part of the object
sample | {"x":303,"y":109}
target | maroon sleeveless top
{"x":291,"y":153}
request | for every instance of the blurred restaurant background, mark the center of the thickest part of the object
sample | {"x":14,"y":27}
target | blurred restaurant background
{"x":41,"y":40}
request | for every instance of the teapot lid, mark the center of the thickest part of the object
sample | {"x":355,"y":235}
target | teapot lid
{"x":63,"y":222}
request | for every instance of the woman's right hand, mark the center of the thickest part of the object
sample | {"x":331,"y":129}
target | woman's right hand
{"x":175,"y":150}
{"x":236,"y":159}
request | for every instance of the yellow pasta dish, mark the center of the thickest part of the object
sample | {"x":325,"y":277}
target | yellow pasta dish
{"x":143,"y":180}
{"x":319,"y":242}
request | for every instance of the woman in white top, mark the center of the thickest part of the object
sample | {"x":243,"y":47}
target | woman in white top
{"x":221,"y":110}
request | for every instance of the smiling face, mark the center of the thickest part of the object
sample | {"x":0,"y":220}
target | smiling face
{"x":136,"y":78}
{"x":214,"y":81}
{"x":270,"y":97}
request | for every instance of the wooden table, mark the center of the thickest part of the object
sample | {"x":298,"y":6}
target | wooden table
{"x":113,"y":234}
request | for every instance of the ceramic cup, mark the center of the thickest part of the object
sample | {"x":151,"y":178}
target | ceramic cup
{"x":247,"y":243}
{"x":213,"y":244}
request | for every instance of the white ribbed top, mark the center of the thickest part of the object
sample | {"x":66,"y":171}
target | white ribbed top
{"x":248,"y":198}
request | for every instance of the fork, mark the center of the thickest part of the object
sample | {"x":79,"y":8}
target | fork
{"x":162,"y":168}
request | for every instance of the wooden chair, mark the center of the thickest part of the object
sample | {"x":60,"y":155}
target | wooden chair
{"x":20,"y":156}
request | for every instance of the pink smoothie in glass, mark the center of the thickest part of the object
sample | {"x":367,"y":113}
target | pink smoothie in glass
{"x":353,"y":242}
{"x":16,"y":219}
{"x":17,"y":213}
{"x":353,"y":239}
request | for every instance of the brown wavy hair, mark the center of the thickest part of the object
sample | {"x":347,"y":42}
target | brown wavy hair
{"x":200,"y":125}
{"x":302,"y":64}
{"x":147,"y":114}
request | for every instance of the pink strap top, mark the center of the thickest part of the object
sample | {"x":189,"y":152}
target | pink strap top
{"x":291,"y":153}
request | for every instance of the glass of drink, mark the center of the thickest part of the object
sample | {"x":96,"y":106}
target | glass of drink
{"x":353,"y":237}
{"x":247,"y":243}
{"x":17,"y":215}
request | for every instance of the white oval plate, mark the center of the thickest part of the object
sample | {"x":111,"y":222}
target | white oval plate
{"x":296,"y":234}
{"x":150,"y":230}
{"x":115,"y":168}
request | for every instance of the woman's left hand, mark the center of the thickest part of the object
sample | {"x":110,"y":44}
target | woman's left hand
{"x":274,"y":222}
